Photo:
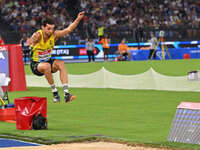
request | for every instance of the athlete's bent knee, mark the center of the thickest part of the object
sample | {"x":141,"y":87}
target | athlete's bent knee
{"x":47,"y":66}
{"x":61,"y":64}
{"x":44,"y":68}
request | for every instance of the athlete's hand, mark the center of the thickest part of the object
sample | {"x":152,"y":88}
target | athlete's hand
{"x":81,"y":15}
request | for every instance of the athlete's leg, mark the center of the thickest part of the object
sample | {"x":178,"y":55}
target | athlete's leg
{"x":150,"y":53}
{"x":121,"y":55}
{"x":104,"y":55}
{"x":60,"y":65}
{"x":92,"y":56}
{"x":129,"y":56}
{"x":107,"y":52}
{"x":89,"y":58}
{"x":45,"y":68}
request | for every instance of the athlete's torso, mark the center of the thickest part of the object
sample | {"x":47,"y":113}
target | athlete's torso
{"x":42,"y":51}
{"x":153,"y":43}
{"x":122,"y":47}
{"x":105,"y":43}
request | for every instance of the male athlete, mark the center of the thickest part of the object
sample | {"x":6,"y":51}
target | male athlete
{"x":42,"y":43}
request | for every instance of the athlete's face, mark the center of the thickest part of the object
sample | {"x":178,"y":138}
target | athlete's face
{"x":48,"y":29}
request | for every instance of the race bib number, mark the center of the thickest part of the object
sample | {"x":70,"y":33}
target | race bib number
{"x":193,"y":76}
{"x":44,"y":56}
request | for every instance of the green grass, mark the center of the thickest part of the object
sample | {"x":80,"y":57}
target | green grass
{"x":141,"y":116}
{"x":167,"y":67}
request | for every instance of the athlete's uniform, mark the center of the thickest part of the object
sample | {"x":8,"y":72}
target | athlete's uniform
{"x":123,"y":48}
{"x":41,"y":52}
{"x":105,"y":42}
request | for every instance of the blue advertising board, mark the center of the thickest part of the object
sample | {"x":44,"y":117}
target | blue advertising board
{"x":4,"y":60}
{"x":176,"y":50}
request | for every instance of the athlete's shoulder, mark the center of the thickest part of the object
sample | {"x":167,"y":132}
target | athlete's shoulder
{"x":39,"y":32}
{"x":38,"y":35}
{"x":57,"y":34}
{"x":36,"y":38}
{"x":102,"y":40}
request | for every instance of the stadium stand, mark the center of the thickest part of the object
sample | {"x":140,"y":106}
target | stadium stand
{"x":120,"y":17}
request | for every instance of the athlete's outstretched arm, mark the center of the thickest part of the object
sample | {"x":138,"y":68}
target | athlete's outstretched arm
{"x":70,"y":28}
{"x":35,"y":38}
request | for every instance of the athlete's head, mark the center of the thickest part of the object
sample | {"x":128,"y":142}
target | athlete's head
{"x":48,"y":25}
{"x":152,"y":34}
{"x":123,"y":41}
{"x":105,"y":36}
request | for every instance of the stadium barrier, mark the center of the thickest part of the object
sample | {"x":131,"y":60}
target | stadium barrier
{"x":11,"y":60}
{"x":106,"y":79}
{"x":176,"y":49}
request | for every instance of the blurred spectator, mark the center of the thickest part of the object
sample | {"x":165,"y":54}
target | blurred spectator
{"x":26,"y":15}
{"x":138,"y":35}
{"x":118,"y":17}
{"x":23,"y":42}
{"x":123,"y":50}
{"x":1,"y":41}
{"x":89,"y":32}
{"x":89,"y":46}
{"x":100,"y":31}
{"x":25,"y":47}
{"x":153,"y":42}
{"x":105,"y":44}
{"x":147,"y":14}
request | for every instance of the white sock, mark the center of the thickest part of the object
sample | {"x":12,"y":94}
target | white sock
{"x":65,"y":87}
{"x":53,"y":88}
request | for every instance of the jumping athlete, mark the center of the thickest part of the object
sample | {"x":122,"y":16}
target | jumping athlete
{"x":42,"y":43}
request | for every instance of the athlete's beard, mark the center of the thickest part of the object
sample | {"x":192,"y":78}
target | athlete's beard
{"x":48,"y":34}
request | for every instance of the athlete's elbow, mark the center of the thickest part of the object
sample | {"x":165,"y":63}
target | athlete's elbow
{"x":70,"y":30}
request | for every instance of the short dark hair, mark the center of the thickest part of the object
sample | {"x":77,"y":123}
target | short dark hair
{"x":48,"y":20}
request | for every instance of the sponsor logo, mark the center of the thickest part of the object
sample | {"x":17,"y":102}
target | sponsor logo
{"x":1,"y":56}
{"x":195,"y":51}
{"x":82,"y":51}
{"x":160,"y":54}
{"x":3,"y":48}
{"x":44,"y":52}
{"x":60,"y":52}
{"x":136,"y":48}
{"x":45,"y":55}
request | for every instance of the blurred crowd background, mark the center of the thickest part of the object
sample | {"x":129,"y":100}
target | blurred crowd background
{"x":129,"y":19}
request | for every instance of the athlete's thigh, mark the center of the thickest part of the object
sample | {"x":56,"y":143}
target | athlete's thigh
{"x":43,"y":66}
{"x":121,"y":53}
{"x":58,"y":65}
{"x":106,"y":51}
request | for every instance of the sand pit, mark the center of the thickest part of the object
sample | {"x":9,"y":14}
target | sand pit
{"x":84,"y":146}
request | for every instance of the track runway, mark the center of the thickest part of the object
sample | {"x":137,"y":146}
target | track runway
{"x":4,"y":143}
